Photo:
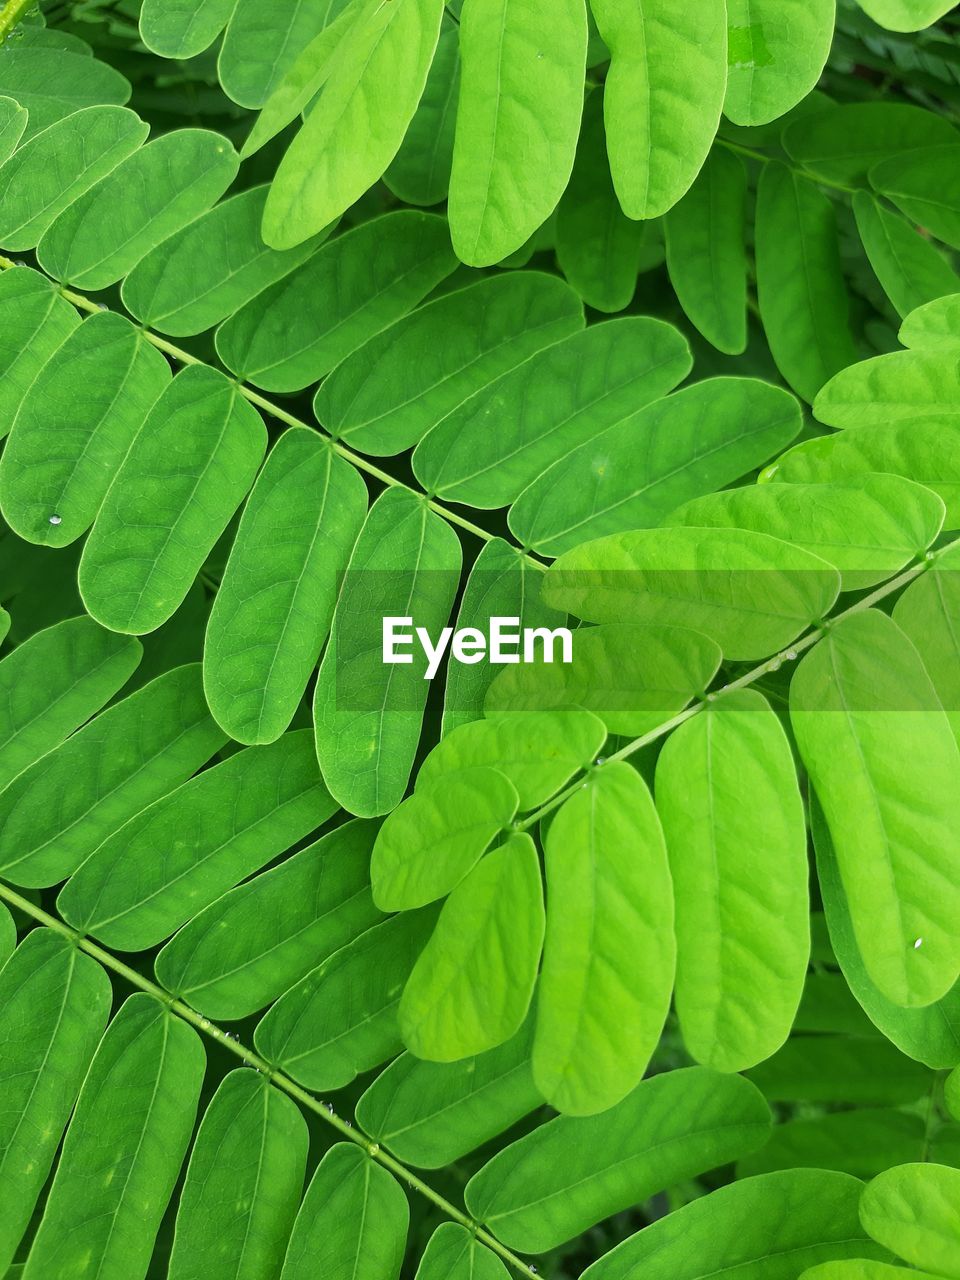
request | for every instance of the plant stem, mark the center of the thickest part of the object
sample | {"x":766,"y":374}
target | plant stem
{"x":252,"y":1059}
{"x":752,"y":154}
{"x":10,"y":15}
{"x":80,"y":301}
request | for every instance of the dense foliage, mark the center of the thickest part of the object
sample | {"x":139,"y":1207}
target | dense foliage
{"x":642,"y":317}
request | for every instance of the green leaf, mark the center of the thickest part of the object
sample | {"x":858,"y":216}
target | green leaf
{"x":915,"y":1211}
{"x":8,"y":935}
{"x":610,"y":912}
{"x":599,"y":249}
{"x":36,"y":320}
{"x":471,"y":986}
{"x":420,"y":171}
{"x":929,"y":613}
{"x":514,"y":71}
{"x":453,"y":1253}
{"x":868,"y":526}
{"x":13,"y":121}
{"x":209,"y":269}
{"x":341,"y":1018}
{"x":725,"y":786}
{"x":641,"y":468}
{"x":861,"y":1143}
{"x":863,"y":1070}
{"x":433,"y":839}
{"x":57,"y":812}
{"x":377,"y":75}
{"x":173,"y":494}
{"x":298,"y":329}
{"x":182,"y":28}
{"x":924,"y":185}
{"x":903,"y":386}
{"x":132,"y":1124}
{"x":911,"y":270}
{"x":148,"y":197}
{"x":54,"y":168}
{"x":260,"y":48}
{"x":243,"y":1183}
{"x":934,"y":325}
{"x":905,"y":15}
{"x":766,"y":1228}
{"x":55,"y":681}
{"x":748,"y":591}
{"x":538,"y":752}
{"x":560,"y":1179}
{"x":51,"y":83}
{"x":76,"y":425}
{"x":663,"y":96}
{"x":800,"y":287}
{"x":54,"y":1004}
{"x":776,"y":52}
{"x":251,"y":945}
{"x":215,"y":830}
{"x":430,"y":1114}
{"x":863,"y":697}
{"x":276,"y":599}
{"x":352,"y":1224}
{"x":863,"y":1269}
{"x":367,"y":714}
{"x":706,"y":256}
{"x":632,"y":677}
{"x":842,"y":143}
{"x":489,"y":449}
{"x":431,"y":362}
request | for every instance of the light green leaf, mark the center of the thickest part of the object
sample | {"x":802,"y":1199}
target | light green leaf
{"x":298,"y":329}
{"x":842,"y":143}
{"x":663,"y":96}
{"x":341,"y":1018}
{"x":644,"y":466}
{"x":800,"y":287}
{"x":430,"y":1114}
{"x":929,"y":613}
{"x":726,"y":786}
{"x":36,"y":320}
{"x":515,"y":69}
{"x":563,"y":1177}
{"x":861,"y":1143}
{"x":906,"y":15}
{"x":431,"y":840}
{"x":8,"y":935}
{"x":491,"y":447}
{"x":209,"y":269}
{"x":148,"y":197}
{"x":867,"y":526}
{"x":420,"y":171}
{"x":368,"y":714}
{"x":352,"y":1224}
{"x":632,"y":677}
{"x":777,"y":50}
{"x":75,"y":427}
{"x":51,"y":83}
{"x":903,"y":386}
{"x":53,"y":682}
{"x":706,"y":254}
{"x":610,"y":912}
{"x":431,"y":362}
{"x":749,"y":592}
{"x":54,"y":1004}
{"x":276,"y":599}
{"x":864,"y":1070}
{"x":935,"y":325}
{"x":55,"y":167}
{"x":183,"y":477}
{"x":471,"y":987}
{"x":538,"y":752}
{"x":377,"y":74}
{"x":863,"y":697}
{"x":66,"y":804}
{"x":183,"y":28}
{"x":915,"y":1211}
{"x":261,"y":46}
{"x":13,"y":121}
{"x":863,"y":1269}
{"x":911,"y":270}
{"x":214,"y":830}
{"x":256,"y":941}
{"x":132,"y":1124}
{"x":452,"y":1253}
{"x":766,"y":1228}
{"x":243,"y":1183}
{"x":925,"y":185}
